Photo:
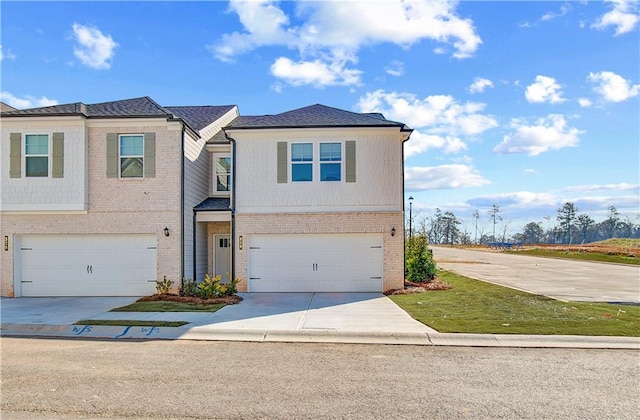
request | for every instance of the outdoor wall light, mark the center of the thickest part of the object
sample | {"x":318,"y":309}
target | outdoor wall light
{"x":240,"y":242}
{"x":6,"y":243}
{"x":393,"y":231}
{"x":166,"y":231}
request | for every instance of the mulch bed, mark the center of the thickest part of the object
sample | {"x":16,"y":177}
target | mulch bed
{"x":229,"y":300}
{"x":410,"y":287}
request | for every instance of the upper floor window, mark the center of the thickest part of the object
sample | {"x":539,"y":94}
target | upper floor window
{"x":301,"y":162}
{"x":132,"y":156}
{"x":36,"y":155}
{"x":223,"y":174}
{"x":330,"y":161}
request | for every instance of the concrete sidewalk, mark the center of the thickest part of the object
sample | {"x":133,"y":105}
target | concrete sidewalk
{"x":369,"y":318}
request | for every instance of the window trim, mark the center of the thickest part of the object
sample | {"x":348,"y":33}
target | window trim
{"x":214,"y":188}
{"x":120,"y":157}
{"x":311,"y":162}
{"x":331,"y":161}
{"x":25,"y":155}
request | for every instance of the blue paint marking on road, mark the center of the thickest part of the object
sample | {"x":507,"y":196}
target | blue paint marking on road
{"x":77,"y":330}
{"x":126,"y":330}
{"x":150,"y":331}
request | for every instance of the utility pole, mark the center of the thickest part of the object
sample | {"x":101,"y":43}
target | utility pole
{"x":410,"y":226}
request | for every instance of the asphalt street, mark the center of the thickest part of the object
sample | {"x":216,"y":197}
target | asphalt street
{"x":79,"y":379}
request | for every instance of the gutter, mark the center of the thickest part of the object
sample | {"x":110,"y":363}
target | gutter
{"x":232,"y":204}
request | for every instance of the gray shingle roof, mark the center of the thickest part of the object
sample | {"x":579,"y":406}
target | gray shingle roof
{"x":199,"y":117}
{"x":136,"y":107}
{"x":315,"y":116}
{"x":214,"y":204}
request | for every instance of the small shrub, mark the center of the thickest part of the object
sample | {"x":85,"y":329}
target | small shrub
{"x":189,"y":288}
{"x":164,"y":286}
{"x":209,"y":287}
{"x":419,"y":263}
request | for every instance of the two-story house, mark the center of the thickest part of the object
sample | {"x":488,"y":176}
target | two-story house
{"x":105,"y":199}
{"x":315,"y":202}
{"x":97,"y":199}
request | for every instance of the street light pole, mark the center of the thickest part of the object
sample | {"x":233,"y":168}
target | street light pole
{"x":410,"y":226}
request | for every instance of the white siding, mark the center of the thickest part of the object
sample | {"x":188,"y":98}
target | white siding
{"x":378,"y":185}
{"x":46,"y":194}
{"x":197,"y":178}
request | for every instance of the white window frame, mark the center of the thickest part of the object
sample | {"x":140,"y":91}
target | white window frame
{"x":306,"y":162}
{"x":214,"y":186}
{"x":324,"y":162}
{"x":120,"y":157}
{"x":47,"y":155}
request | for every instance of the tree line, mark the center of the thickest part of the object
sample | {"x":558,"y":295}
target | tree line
{"x":570,"y":227}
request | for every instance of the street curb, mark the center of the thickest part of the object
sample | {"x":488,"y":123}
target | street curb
{"x":207,"y":333}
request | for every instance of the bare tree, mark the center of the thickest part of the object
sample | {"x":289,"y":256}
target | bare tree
{"x":493,"y":215}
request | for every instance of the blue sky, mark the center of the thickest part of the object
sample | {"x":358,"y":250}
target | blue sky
{"x":525,"y":105}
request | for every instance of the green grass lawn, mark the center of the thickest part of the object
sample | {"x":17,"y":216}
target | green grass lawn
{"x":577,"y":255}
{"x":167,"y":306}
{"x":130,"y":323}
{"x":473,"y":306}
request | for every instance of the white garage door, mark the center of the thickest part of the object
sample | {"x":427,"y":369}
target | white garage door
{"x":87,"y":265}
{"x":315,"y":263}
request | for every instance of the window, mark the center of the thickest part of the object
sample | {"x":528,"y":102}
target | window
{"x":36,"y":155}
{"x":301,"y":162}
{"x":223,"y":174}
{"x":330,"y":161}
{"x":131,"y":156}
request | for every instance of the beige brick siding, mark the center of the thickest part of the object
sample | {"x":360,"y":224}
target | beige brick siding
{"x":142,"y":206}
{"x":354,"y":222}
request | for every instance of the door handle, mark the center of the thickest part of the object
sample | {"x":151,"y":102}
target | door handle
{"x":89,"y":269}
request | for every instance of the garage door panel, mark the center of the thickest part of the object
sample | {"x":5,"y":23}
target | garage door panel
{"x":87,"y":265}
{"x":315,"y":263}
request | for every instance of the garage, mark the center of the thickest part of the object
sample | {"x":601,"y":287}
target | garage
{"x":86,"y":265}
{"x":315,"y":262}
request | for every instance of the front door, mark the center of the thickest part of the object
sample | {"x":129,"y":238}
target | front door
{"x":222,"y":257}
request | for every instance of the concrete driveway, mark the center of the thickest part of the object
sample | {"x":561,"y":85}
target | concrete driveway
{"x":558,"y":278}
{"x":285,"y":312}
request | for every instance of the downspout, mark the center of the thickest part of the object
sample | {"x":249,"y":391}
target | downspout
{"x":404,"y":257}
{"x":194,"y":246}
{"x":233,"y":204}
{"x":182,"y":262}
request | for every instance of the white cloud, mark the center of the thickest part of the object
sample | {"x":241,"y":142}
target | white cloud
{"x":530,"y":171}
{"x":564,"y":9}
{"x":479,"y":85}
{"x":613,"y":87}
{"x":329,"y":32}
{"x":518,"y":198}
{"x":94,"y":49}
{"x":584,"y":102}
{"x":544,"y":89}
{"x":442,"y":177}
{"x":27,"y":101}
{"x":623,"y":186}
{"x":421,"y":142}
{"x":623,"y":16}
{"x":6,"y":55}
{"x":550,"y":133}
{"x":396,"y":68}
{"x":316,"y":72}
{"x":441,"y":120}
